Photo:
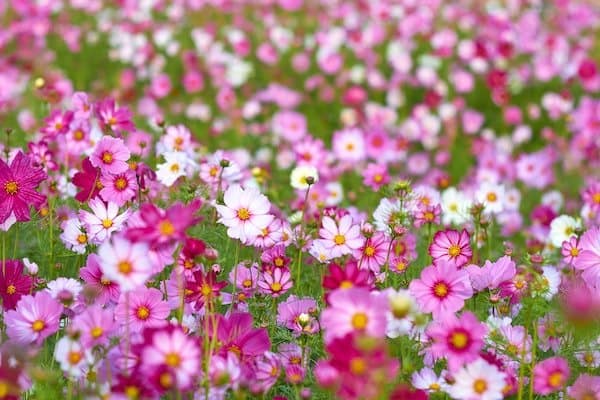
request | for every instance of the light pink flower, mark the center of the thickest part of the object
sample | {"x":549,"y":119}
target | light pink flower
{"x":340,"y":239}
{"x":35,"y":318}
{"x":111,"y":155}
{"x":125,"y":263}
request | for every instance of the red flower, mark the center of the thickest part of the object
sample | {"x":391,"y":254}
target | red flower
{"x":17,"y":187}
{"x":88,"y":181}
{"x":13,"y":284}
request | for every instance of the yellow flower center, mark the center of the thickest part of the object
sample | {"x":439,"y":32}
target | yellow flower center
{"x":279,"y":262}
{"x":440,"y":289}
{"x":276,"y":287}
{"x":78,"y":135}
{"x":132,"y":392}
{"x":206,"y":290}
{"x":121,"y":183}
{"x":214,"y":171}
{"x":107,"y":223}
{"x":339,"y":239}
{"x":454,"y":250}
{"x":107,"y":157}
{"x":459,"y":340}
{"x":243,"y":214}
{"x":480,"y":386}
{"x":173,"y":360}
{"x":4,"y":388}
{"x":369,"y":251}
{"x":105,"y":281}
{"x":82,"y":238}
{"x":125,"y":267}
{"x":434,"y":387}
{"x":96,"y":332}
{"x":358,"y":366}
{"x":247,"y":283}
{"x":360,"y":321}
{"x":143,"y":313}
{"x":11,"y":188}
{"x":38,"y":325}
{"x":346,"y":284}
{"x":75,"y":357}
{"x":166,"y":228}
{"x":11,"y":289}
{"x":574,"y":252}
{"x":596,"y":198}
{"x":555,"y":379}
{"x":492,"y":197}
{"x":166,"y":380}
{"x":174,"y":168}
{"x":377,"y":178}
{"x":428,"y":216}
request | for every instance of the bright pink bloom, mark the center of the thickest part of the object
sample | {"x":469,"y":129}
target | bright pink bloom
{"x":111,"y":117}
{"x":163,"y":228}
{"x":550,"y":375}
{"x":372,"y":255}
{"x":458,"y":339}
{"x":102,"y":288}
{"x":586,"y":387}
{"x":35,"y":318}
{"x":203,"y":287}
{"x":354,"y":310}
{"x":346,"y":277}
{"x":297,"y":314}
{"x":57,"y":123}
{"x":171,"y":357}
{"x":145,"y":307}
{"x":111,"y":155}
{"x":570,"y":250}
{"x":452,"y":247}
{"x":442,"y":289}
{"x":13,"y":283}
{"x":275,"y":283}
{"x":119,"y":188}
{"x":17,"y":187}
{"x":237,"y":336}
{"x":375,"y":176}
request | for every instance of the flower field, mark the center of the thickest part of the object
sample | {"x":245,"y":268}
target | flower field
{"x":299,"y":199}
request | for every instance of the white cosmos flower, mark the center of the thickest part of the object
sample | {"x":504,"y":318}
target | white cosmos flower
{"x":299,"y":176}
{"x":562,"y":228}
{"x":478,"y":381}
{"x":175,"y":166}
{"x":455,"y":207}
{"x":491,"y":195}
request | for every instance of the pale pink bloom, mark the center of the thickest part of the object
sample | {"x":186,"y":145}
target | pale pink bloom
{"x":144,"y":307}
{"x":245,"y":212}
{"x":340,"y":239}
{"x":94,"y":325}
{"x":74,"y":235}
{"x":104,"y":221}
{"x":125,"y":263}
{"x":35,"y":318}
{"x":589,"y":257}
{"x":275,"y":283}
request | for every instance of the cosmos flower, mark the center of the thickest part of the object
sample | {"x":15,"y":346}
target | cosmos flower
{"x":88,"y":180}
{"x":119,"y":188}
{"x":144,"y":307}
{"x":550,"y":375}
{"x":478,"y":381}
{"x":245,"y":212}
{"x":354,"y":310}
{"x":451,"y":246}
{"x":341,"y":238}
{"x":125,"y":263}
{"x":13,"y":283}
{"x":275,"y":283}
{"x":103,"y":222}
{"x":34,"y":319}
{"x":18,"y":182}
{"x":110,"y":155}
{"x":441,"y":289}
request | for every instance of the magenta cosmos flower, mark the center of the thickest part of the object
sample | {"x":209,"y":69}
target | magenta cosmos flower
{"x":245,"y":212}
{"x":458,"y":339}
{"x":171,"y":356}
{"x":354,"y":310}
{"x":442,"y":289}
{"x":111,"y":155}
{"x":17,"y":187}
{"x":550,"y":375}
{"x":451,"y":246}
{"x":34,"y":319}
{"x":145,"y":307}
{"x":276,"y":282}
{"x":13,"y":283}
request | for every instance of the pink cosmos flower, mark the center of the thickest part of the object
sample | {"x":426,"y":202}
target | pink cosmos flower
{"x":238,"y":337}
{"x":102,"y":288}
{"x":88,"y":181}
{"x":13,"y":283}
{"x":35,"y":318}
{"x":74,"y":236}
{"x":57,"y":123}
{"x":340,"y":239}
{"x":458,"y":339}
{"x":104,"y":221}
{"x":550,"y":375}
{"x":452,"y":247}
{"x":297,"y":314}
{"x":162,"y":228}
{"x":349,"y":145}
{"x":125,"y":263}
{"x":110,"y":155}
{"x":591,"y":196}
{"x":117,"y":119}
{"x":354,"y":310}
{"x":245,"y":212}
{"x":442,"y":289}
{"x":375,"y":176}
{"x":570,"y":250}
{"x":289,"y":125}
{"x":275,"y":283}
{"x":589,"y":257}
{"x":119,"y":188}
{"x":94,"y":325}
{"x":586,"y":387}
{"x":492,"y":275}
{"x":144,"y":308}
{"x":170,"y":356}
{"x":17,"y":187}
{"x":372,"y":255}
